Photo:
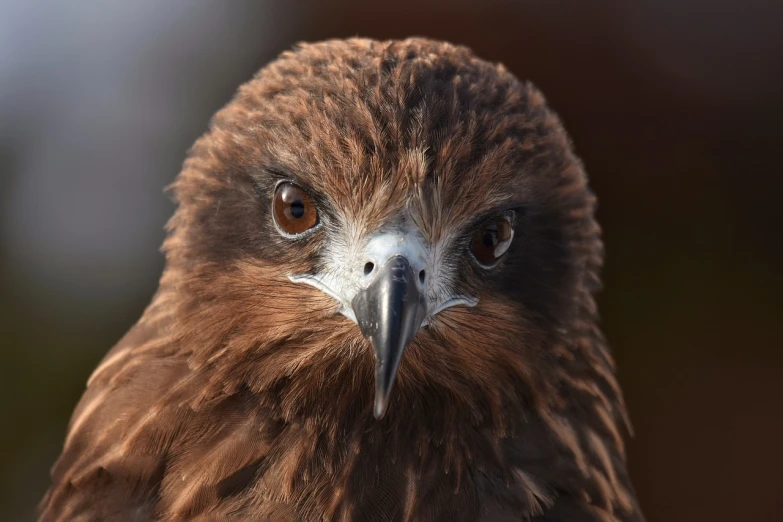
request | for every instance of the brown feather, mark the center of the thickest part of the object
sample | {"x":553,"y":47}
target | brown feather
{"x":241,"y":395}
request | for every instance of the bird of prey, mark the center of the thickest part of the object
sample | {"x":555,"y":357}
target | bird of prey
{"x":377,"y":305}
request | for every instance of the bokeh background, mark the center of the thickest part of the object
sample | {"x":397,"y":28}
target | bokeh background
{"x":676,"y":108}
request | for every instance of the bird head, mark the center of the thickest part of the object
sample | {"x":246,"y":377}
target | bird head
{"x":371,"y":211}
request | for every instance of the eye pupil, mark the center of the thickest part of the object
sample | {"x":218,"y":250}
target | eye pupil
{"x":490,"y":238}
{"x":297,"y":209}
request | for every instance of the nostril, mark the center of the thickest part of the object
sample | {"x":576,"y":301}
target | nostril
{"x":422,"y":275}
{"x":368,"y":268}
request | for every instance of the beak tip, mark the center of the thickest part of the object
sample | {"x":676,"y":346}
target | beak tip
{"x":380,"y":407}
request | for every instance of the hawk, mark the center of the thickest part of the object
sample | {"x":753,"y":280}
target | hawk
{"x":377,"y":305}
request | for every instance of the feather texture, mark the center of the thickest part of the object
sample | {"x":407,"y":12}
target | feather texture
{"x":241,"y":395}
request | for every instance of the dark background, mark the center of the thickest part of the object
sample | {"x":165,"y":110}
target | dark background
{"x":675,"y":107}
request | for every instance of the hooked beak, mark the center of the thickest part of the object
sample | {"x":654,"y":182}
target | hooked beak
{"x":387,"y":288}
{"x":389,"y":312}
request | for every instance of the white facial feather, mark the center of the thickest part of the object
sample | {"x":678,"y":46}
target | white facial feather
{"x":352,"y":259}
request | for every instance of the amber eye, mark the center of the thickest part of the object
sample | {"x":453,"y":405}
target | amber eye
{"x":295,"y":212}
{"x":492,"y":239}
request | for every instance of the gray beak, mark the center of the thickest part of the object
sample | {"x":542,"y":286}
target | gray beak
{"x":389,"y":313}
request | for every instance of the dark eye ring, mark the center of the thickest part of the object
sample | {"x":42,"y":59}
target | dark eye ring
{"x":492,"y":239}
{"x":293,"y":209}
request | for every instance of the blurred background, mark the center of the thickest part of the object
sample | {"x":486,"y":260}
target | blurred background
{"x":676,"y":108}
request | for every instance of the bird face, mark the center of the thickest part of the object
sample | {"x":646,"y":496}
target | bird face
{"x":390,"y":280}
{"x":399,"y":206}
{"x":425,"y":201}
